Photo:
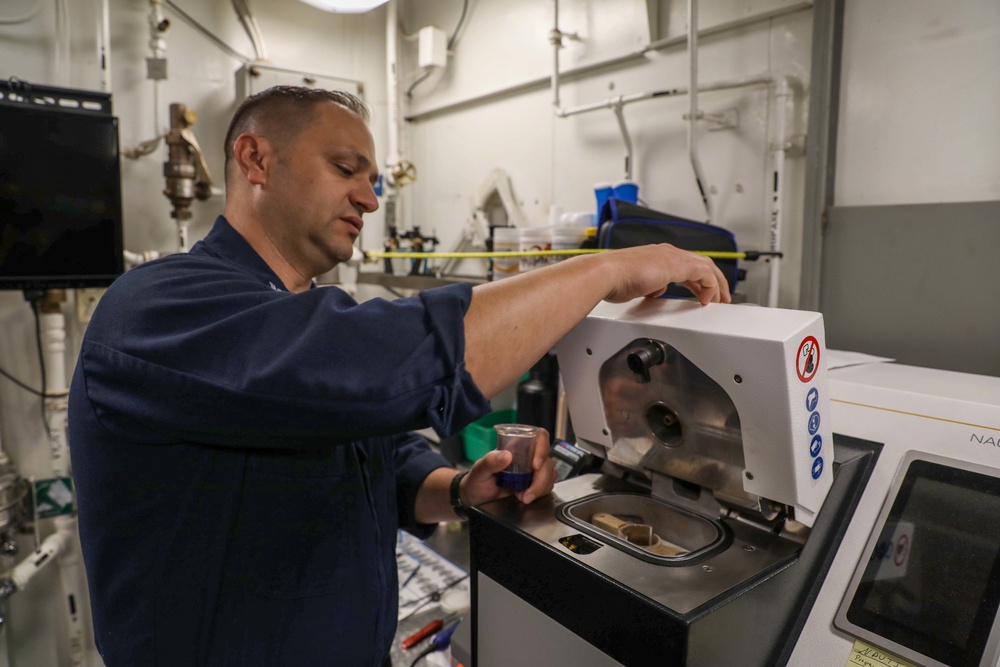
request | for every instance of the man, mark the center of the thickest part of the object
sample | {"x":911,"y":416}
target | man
{"x":238,"y":437}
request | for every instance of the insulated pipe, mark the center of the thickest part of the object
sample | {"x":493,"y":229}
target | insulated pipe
{"x":18,"y":578}
{"x":52,"y":327}
{"x":699,"y":176}
{"x":56,"y":546}
{"x":71,"y":576}
{"x":53,"y":333}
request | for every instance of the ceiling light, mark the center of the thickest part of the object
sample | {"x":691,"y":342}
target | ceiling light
{"x":345,"y":6}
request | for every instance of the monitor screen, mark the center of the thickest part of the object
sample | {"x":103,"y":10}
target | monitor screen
{"x":930,"y":581}
{"x":60,"y":196}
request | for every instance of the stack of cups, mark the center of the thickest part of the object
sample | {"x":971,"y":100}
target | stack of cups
{"x":602,"y":192}
{"x":626,"y":191}
{"x":506,"y":239}
{"x":622,"y":190}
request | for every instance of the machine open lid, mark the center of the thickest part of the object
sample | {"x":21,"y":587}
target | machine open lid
{"x":730,"y":398}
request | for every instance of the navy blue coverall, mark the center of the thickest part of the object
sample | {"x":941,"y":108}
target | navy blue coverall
{"x":239,"y":463}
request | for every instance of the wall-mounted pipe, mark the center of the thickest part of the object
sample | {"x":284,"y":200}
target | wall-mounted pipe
{"x":249,"y":22}
{"x":699,"y":174}
{"x":104,"y":44}
{"x":777,"y":143}
{"x":52,"y":328}
{"x":543,"y":82}
{"x":779,"y":146}
{"x":619,"y":109}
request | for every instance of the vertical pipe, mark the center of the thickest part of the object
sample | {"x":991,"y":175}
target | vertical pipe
{"x":556,"y":43}
{"x":692,"y":44}
{"x":395,"y":214}
{"x":71,"y":577}
{"x":392,"y":79}
{"x":821,"y":149}
{"x":52,"y":326}
{"x":619,"y":109}
{"x":782,"y":98}
{"x":104,"y":44}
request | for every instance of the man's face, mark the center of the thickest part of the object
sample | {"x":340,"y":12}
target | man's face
{"x":320,"y":186}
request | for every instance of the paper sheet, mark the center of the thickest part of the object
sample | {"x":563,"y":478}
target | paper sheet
{"x":864,"y":655}
{"x":422,"y":572}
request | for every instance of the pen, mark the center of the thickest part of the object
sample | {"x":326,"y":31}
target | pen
{"x":426,"y":631}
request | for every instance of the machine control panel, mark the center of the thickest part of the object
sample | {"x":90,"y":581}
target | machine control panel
{"x":927,"y":587}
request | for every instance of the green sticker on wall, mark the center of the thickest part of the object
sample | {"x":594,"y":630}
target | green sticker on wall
{"x":53,"y":497}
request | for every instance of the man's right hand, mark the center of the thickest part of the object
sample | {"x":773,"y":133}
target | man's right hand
{"x":648,"y":270}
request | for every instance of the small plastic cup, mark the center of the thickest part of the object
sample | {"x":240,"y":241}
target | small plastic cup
{"x":519,"y":440}
{"x":627,"y":191}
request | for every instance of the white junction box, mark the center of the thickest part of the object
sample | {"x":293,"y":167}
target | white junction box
{"x":432,"y":47}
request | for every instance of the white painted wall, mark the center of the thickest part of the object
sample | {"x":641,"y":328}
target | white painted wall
{"x":919,"y":104}
{"x":458,"y":138}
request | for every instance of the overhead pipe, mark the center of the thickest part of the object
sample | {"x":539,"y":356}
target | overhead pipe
{"x":249,"y":22}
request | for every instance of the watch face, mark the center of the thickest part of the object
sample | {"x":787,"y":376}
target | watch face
{"x":928,"y":585}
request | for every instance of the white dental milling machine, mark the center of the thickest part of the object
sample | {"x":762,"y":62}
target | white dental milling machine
{"x":752,"y":509}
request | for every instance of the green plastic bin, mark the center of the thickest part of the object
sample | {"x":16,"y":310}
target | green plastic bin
{"x":479,"y":438}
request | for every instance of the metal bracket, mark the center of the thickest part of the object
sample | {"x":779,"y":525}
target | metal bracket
{"x":720,"y":120}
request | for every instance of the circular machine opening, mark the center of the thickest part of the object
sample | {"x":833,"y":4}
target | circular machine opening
{"x":664,"y":424}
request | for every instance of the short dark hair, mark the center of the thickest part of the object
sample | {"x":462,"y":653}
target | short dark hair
{"x":284,"y":109}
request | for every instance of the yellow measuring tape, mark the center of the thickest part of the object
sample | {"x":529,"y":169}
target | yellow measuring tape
{"x":398,"y":254}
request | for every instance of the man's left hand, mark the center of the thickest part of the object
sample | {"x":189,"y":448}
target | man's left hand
{"x":480,"y":485}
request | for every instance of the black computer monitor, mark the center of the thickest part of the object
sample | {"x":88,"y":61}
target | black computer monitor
{"x":60,"y":189}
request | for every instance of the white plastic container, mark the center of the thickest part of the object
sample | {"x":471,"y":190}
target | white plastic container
{"x":535,"y":238}
{"x":567,"y":237}
{"x":506,"y":239}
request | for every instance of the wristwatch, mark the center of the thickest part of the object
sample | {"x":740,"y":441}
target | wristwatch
{"x":460,"y":508}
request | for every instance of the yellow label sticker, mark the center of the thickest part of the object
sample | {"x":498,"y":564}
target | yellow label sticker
{"x":864,"y":655}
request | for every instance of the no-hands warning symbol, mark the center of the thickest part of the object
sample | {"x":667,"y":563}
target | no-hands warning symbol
{"x":807,"y":359}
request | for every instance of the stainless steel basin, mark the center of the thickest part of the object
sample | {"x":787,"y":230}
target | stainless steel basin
{"x":679,"y":535}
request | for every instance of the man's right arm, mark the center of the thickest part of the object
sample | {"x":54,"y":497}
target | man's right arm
{"x":511,"y":323}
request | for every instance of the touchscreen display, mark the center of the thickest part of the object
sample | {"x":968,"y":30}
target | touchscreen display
{"x":932,"y":580}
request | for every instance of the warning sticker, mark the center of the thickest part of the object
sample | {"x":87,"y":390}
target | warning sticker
{"x":807,"y":359}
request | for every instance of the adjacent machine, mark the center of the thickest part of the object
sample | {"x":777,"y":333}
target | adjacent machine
{"x":745,"y":513}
